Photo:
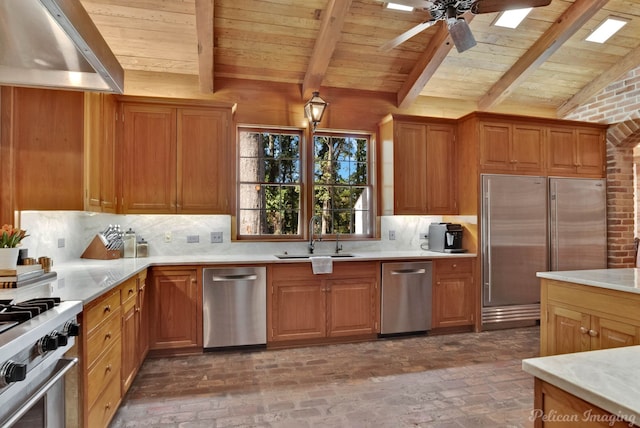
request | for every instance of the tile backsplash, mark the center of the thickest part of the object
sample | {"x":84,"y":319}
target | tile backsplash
{"x":64,"y":235}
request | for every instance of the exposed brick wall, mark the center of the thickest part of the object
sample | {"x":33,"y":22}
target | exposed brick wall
{"x":619,"y":106}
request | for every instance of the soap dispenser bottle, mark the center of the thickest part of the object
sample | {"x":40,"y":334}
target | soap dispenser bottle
{"x":129,"y":240}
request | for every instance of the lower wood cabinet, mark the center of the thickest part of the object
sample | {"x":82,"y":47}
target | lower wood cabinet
{"x":578,"y":318}
{"x":307,"y":307}
{"x":554,"y":407}
{"x":453,"y":293}
{"x":113,"y":344}
{"x":175,"y":297}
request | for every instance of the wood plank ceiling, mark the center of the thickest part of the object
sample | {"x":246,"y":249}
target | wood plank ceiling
{"x":335,"y":43}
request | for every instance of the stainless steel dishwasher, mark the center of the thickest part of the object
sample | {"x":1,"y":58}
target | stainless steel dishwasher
{"x":406,"y":297}
{"x":234,"y":306}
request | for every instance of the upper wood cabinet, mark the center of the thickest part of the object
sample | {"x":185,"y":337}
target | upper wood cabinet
{"x":576,"y":151}
{"x":511,"y":147}
{"x":42,"y":146}
{"x":423,"y":165}
{"x":176,"y":159}
{"x":100,"y":112}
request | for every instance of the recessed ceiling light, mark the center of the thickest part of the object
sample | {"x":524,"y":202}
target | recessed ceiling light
{"x":606,"y":29}
{"x":512,"y":18}
{"x":396,"y":6}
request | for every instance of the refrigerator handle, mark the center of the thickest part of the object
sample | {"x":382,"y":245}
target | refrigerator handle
{"x":554,"y":230}
{"x":487,"y":243}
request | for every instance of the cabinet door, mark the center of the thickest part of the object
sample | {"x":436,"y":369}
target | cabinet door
{"x":176,"y":301}
{"x":613,"y":334}
{"x":452,"y":304}
{"x":99,"y":135}
{"x":129,"y":347}
{"x":149,"y":176}
{"x":567,"y":331}
{"x":527,"y":148}
{"x":299,"y":310}
{"x":45,"y":133}
{"x":591,"y":152}
{"x":143,"y":315}
{"x":351,"y":306}
{"x":410,"y":169}
{"x":562,"y":151}
{"x":205,"y":172}
{"x":495,"y":147}
{"x":441,"y":189}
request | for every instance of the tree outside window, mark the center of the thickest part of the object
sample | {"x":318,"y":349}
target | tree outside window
{"x":271,"y":180}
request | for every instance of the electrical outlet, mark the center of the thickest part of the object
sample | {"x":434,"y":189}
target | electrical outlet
{"x":216,"y":237}
{"x":424,"y":235}
{"x":392,"y":235}
{"x":167,"y":237}
{"x":193,"y":239}
{"x":61,"y":242}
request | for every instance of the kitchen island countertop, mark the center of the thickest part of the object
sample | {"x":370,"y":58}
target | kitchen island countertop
{"x":607,"y":378}
{"x":623,"y":279}
{"x":87,"y":279}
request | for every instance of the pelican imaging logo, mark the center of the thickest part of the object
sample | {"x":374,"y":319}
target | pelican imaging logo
{"x":587,"y":416}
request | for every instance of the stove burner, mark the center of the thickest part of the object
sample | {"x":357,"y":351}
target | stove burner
{"x":11,"y":314}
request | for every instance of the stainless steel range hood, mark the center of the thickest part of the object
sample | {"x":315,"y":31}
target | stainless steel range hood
{"x":55,"y":44}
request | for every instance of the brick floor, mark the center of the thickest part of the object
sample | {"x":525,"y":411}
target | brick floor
{"x":464,"y":380}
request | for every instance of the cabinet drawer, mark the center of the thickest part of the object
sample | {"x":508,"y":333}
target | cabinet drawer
{"x":103,"y":337}
{"x":105,"y":407}
{"x":447,"y":266}
{"x":105,"y":307}
{"x":128,"y":290}
{"x":106,"y":369}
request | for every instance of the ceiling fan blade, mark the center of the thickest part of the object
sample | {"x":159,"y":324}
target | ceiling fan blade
{"x":397,"y":41}
{"x":461,"y":35}
{"x":490,"y":6}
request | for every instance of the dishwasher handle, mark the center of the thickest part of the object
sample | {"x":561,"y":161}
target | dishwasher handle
{"x":240,"y":277}
{"x":408,"y":271}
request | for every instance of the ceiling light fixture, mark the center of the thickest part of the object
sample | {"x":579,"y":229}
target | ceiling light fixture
{"x":512,"y":18}
{"x":606,"y":29}
{"x":314,"y":109}
{"x":396,"y":6}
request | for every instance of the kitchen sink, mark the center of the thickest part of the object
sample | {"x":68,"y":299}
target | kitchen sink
{"x":306,"y":256}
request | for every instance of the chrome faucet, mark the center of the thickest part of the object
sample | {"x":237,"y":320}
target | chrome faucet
{"x":311,"y":240}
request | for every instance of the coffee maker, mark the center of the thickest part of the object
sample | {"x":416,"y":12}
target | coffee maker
{"x":446,"y":238}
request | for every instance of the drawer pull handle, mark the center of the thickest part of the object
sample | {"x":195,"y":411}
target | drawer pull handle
{"x":107,"y":309}
{"x":107,"y":336}
{"x":108,"y":368}
{"x":108,"y":406}
{"x":131,"y":291}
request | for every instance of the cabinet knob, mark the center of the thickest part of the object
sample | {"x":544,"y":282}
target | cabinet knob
{"x":584,"y":330}
{"x":107,"y":308}
{"x":108,"y":368}
{"x":107,"y":336}
{"x":454,"y":265}
{"x":593,"y":333}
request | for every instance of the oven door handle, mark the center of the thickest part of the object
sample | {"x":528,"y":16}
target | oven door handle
{"x":66,"y":365}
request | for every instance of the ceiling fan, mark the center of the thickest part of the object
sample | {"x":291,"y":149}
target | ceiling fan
{"x":451,"y":11}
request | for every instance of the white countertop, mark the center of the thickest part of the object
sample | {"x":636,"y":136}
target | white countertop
{"x":608,"y":378}
{"x":86,"y":279}
{"x":625,"y":279}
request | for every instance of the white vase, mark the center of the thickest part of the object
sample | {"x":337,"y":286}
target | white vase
{"x":8,"y":258}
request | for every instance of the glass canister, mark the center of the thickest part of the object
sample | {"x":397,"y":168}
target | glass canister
{"x":129,"y":241}
{"x":142,"y":248}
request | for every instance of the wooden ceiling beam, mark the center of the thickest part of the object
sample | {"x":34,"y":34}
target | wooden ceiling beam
{"x":330,"y":32}
{"x":439,"y":47}
{"x":560,"y":31}
{"x":204,"y":30}
{"x":628,"y":63}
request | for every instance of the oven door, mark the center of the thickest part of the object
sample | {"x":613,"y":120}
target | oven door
{"x":41,"y":403}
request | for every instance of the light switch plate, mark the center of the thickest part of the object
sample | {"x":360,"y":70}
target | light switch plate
{"x":392,"y":235}
{"x":193,"y":239}
{"x":61,"y":243}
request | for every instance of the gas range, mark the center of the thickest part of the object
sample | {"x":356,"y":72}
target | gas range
{"x":35,"y":334}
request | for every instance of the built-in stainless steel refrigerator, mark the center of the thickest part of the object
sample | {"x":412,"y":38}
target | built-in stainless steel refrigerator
{"x":533,"y":224}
